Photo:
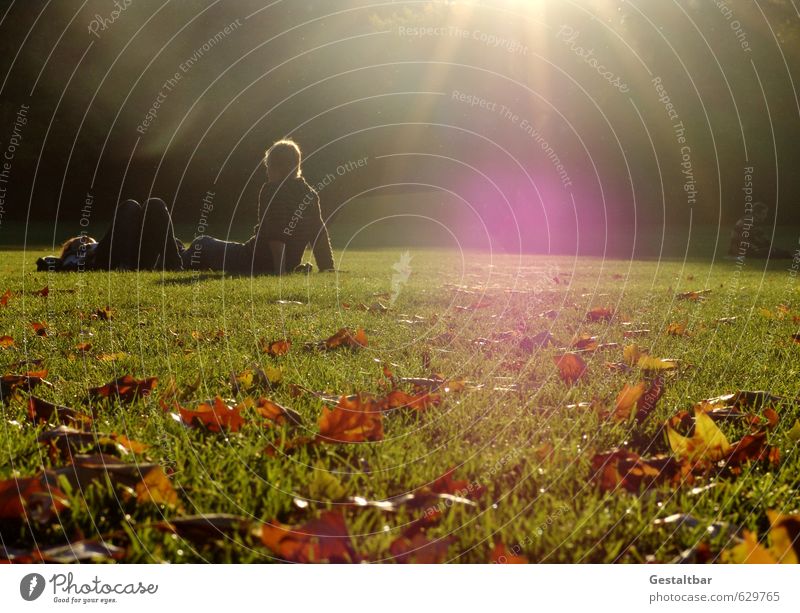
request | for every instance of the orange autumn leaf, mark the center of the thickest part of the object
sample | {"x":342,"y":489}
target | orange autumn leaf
{"x":353,"y":420}
{"x":677,"y":329}
{"x":275,"y":348}
{"x":629,"y":471}
{"x":420,"y":401}
{"x":216,"y":416}
{"x":6,"y":342}
{"x":126,"y":388}
{"x":40,"y":328}
{"x":628,"y":397}
{"x":599,"y":314}
{"x":501,"y":555}
{"x":83,"y":347}
{"x":585,"y":342}
{"x":274,"y":412}
{"x":30,"y":498}
{"x":570,"y":367}
{"x":44,"y":292}
{"x":325,"y":539}
{"x":5,"y":298}
{"x":346,"y":338}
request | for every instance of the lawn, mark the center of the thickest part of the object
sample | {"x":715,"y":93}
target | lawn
{"x":524,"y":444}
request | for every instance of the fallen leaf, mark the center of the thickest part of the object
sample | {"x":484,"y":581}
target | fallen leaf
{"x":127,"y":389}
{"x":628,"y":470}
{"x":677,"y":329}
{"x":40,"y":328}
{"x":695,"y":296}
{"x":12,"y":385}
{"x":215,"y":416}
{"x":5,"y":298}
{"x":707,"y":443}
{"x":205,"y":529}
{"x":570,"y":367}
{"x":6,"y":342}
{"x":30,"y":498}
{"x":599,"y":314}
{"x":628,"y":397}
{"x":345,"y":338}
{"x":353,"y":420}
{"x":501,"y":555}
{"x":418,"y":549}
{"x":41,"y":412}
{"x":325,"y":539}
{"x":275,"y":348}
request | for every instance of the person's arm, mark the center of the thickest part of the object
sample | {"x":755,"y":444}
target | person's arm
{"x":323,"y":254}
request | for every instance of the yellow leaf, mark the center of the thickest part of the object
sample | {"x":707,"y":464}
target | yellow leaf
{"x":794,"y":433}
{"x":782,"y":543}
{"x":707,"y":443}
{"x":631,"y":354}
{"x":647,"y":362}
{"x":750,"y":551}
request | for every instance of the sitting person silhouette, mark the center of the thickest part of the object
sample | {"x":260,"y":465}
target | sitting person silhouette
{"x":143,"y":237}
{"x":749,"y":236}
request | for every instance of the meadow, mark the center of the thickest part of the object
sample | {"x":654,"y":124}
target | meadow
{"x":446,"y":426}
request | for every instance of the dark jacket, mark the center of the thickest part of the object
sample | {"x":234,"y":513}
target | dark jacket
{"x":290,"y":212}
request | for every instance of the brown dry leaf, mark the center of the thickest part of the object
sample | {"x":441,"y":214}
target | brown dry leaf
{"x":501,"y":555}
{"x":206,"y":529}
{"x":40,"y":328}
{"x":65,"y":442}
{"x":325,"y":539}
{"x":6,"y":342}
{"x":41,"y":412}
{"x":5,"y":298}
{"x":11,"y":386}
{"x":353,"y":420}
{"x":346,"y":338}
{"x":127,"y":389}
{"x":216,"y":416}
{"x":83,"y":347}
{"x":145,"y":482}
{"x":599,"y":314}
{"x":420,"y":401}
{"x":275,"y":348}
{"x":570,"y":367}
{"x":628,"y":470}
{"x":695,"y":296}
{"x":647,"y":403}
{"x":417,"y":549}
{"x":277,"y":413}
{"x":585,"y":342}
{"x":677,"y":329}
{"x":30,"y":498}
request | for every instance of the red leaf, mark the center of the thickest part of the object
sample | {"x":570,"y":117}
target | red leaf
{"x":126,"y":388}
{"x":30,"y":498}
{"x":599,"y":314}
{"x":321,"y":540}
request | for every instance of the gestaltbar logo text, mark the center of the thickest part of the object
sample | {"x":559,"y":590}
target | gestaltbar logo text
{"x":31,"y":586}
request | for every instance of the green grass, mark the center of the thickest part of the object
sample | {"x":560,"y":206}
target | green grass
{"x":547,"y":507}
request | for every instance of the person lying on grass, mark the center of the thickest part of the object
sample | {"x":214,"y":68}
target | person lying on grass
{"x":143,"y":237}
